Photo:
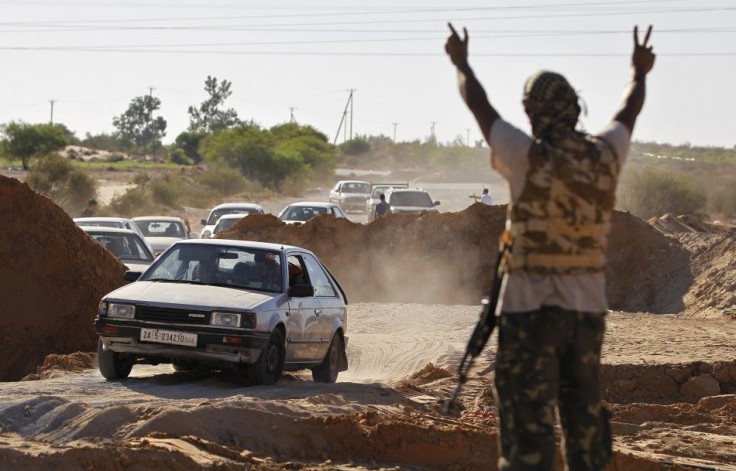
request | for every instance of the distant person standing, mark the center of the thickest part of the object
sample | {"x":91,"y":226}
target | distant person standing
{"x":485,"y":198}
{"x":382,"y":207}
{"x":553,"y":300}
{"x":89,"y":211}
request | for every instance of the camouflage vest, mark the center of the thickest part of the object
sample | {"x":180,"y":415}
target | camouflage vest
{"x":561,"y":221}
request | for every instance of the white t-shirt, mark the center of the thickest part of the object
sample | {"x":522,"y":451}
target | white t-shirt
{"x":485,"y":198}
{"x":524,"y":292}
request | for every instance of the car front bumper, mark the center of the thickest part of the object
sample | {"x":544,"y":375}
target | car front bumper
{"x":213,"y":344}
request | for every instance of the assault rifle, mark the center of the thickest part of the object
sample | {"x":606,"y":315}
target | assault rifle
{"x":486,"y":323}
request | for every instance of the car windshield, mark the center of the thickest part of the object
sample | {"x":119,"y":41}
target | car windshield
{"x":217,"y":265}
{"x":302,"y":213}
{"x":411,"y":198}
{"x":218,"y":213}
{"x":155,"y":228}
{"x":126,"y":247}
{"x":356,"y":187}
{"x":225,"y":224}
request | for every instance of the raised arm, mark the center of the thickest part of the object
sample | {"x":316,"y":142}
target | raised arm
{"x":470,"y":88}
{"x":642,"y":61}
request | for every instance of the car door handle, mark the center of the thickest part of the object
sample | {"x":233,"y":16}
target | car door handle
{"x":317,"y":312}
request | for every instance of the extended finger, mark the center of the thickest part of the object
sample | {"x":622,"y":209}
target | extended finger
{"x":646,"y":38}
{"x":454,"y":33}
{"x":465,"y":34}
{"x":636,"y":35}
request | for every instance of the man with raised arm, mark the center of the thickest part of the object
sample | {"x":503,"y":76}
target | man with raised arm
{"x":553,"y":302}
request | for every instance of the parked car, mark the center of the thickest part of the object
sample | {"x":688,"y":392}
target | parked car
{"x":410,"y":201}
{"x":126,"y":245}
{"x":303,"y":211}
{"x":227,"y":208}
{"x":227,"y":221}
{"x":230,"y":305}
{"x":123,"y":223}
{"x":161,"y":231}
{"x":377,"y":190}
{"x":351,"y":195}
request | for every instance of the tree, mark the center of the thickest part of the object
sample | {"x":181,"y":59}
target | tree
{"x":139,"y":125}
{"x":209,"y":117}
{"x":24,"y":141}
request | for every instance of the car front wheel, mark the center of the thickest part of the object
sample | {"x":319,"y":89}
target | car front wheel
{"x":113,"y":365}
{"x":267,"y":369}
{"x":327,"y":371}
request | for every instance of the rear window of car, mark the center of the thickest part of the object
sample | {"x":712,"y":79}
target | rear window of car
{"x":411,"y":198}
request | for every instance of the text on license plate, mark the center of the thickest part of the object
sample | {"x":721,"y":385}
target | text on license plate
{"x":168,"y":336}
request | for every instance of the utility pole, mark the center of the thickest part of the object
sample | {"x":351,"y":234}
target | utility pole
{"x":468,"y":138}
{"x":431,"y":132}
{"x":291,"y":118}
{"x":150,"y":120}
{"x":52,"y":111}
{"x":348,"y":105}
{"x":395,"y":124}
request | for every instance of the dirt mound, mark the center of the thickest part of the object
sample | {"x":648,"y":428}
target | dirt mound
{"x":52,"y":277}
{"x":448,"y":257}
{"x":713,"y":264}
{"x":53,"y":363}
{"x":671,"y":224}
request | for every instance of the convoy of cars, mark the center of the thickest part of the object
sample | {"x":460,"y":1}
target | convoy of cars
{"x":223,"y":304}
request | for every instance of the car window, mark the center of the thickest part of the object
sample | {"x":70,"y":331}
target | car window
{"x":218,"y":213}
{"x":225,"y":224}
{"x":357,"y":188}
{"x":411,"y":198}
{"x":161,"y":228}
{"x":240,"y":267}
{"x":318,"y":277}
{"x":337,"y":212}
{"x":297,"y":270}
{"x":124,"y":246}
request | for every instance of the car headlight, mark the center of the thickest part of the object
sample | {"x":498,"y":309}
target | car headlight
{"x":102,"y":309}
{"x":225,"y":319}
{"x":123,"y":311}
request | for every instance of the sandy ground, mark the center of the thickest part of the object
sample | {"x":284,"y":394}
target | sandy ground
{"x":384,"y":413}
{"x":670,"y":381}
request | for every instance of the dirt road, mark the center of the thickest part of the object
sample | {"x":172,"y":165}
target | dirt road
{"x":383,"y":414}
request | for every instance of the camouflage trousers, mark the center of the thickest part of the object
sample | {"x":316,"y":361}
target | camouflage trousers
{"x":548,"y":361}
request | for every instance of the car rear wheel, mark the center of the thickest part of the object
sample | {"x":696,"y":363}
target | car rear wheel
{"x":327,"y":371}
{"x":267,"y":369}
{"x":113,"y":365}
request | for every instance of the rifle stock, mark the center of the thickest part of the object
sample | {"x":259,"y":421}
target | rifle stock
{"x":485,"y":325}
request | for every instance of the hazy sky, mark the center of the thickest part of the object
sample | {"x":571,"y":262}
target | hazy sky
{"x":91,"y":57}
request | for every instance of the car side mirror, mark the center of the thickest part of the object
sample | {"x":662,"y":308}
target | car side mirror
{"x":436,"y":203}
{"x":301,"y":290}
{"x":204,"y":222}
{"x":132,"y":275}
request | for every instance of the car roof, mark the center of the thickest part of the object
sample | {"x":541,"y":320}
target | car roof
{"x":232,"y":216}
{"x":237,"y":205}
{"x":243,"y":243}
{"x":101,"y":219}
{"x":108,"y":230}
{"x":157,"y":218}
{"x":318,"y":204}
{"x":408,"y":190}
{"x":354,"y":181}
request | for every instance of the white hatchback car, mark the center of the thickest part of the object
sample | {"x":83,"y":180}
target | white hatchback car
{"x":123,"y":223}
{"x":227,"y":208}
{"x":227,"y":304}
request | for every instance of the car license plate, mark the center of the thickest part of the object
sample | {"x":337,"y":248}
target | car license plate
{"x":168,"y":336}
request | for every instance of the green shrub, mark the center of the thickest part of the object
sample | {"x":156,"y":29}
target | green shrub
{"x":224,"y":180}
{"x":722,"y":199}
{"x":179,"y":157}
{"x":651,"y":192}
{"x":68,"y":186}
{"x":167,"y":191}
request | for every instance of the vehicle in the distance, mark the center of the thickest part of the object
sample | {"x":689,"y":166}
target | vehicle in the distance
{"x":224,"y":304}
{"x":404,"y":200}
{"x":351,"y":195}
{"x":377,"y":189}
{"x":123,"y":223}
{"x":227,"y":208}
{"x":125,"y":244}
{"x":303,"y":211}
{"x":227,"y":221}
{"x":161,"y":231}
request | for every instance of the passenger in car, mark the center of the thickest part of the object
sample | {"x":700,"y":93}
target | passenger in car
{"x":268,"y":272}
{"x":241,"y":273}
{"x":207,"y":271}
